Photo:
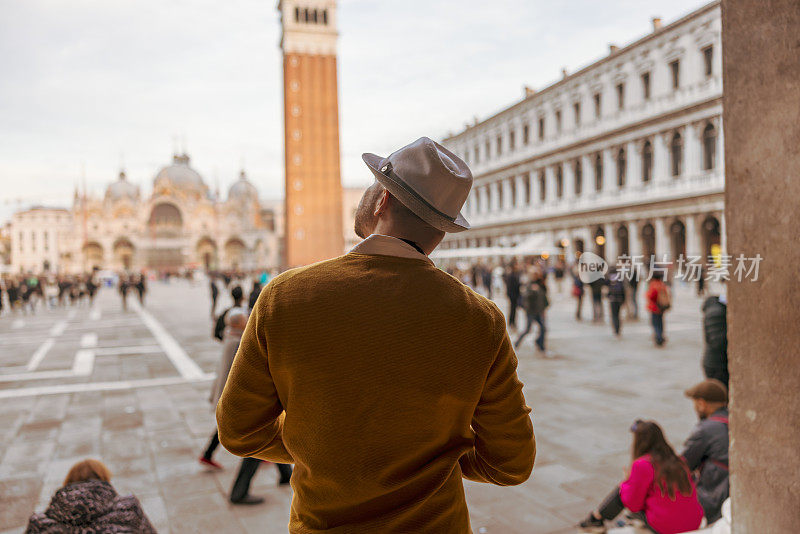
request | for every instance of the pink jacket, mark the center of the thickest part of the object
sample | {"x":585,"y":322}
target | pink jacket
{"x":666,"y":516}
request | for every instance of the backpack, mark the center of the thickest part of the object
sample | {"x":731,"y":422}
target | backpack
{"x":663,"y":300}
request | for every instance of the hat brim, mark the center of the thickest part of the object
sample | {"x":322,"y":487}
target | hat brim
{"x":412,"y":201}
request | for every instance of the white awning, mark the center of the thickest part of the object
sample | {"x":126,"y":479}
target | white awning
{"x":534,"y":245}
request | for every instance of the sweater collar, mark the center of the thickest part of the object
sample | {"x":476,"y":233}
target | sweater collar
{"x":386,"y":245}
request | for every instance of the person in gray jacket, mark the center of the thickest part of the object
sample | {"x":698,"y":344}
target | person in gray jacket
{"x":706,"y":450}
{"x":236,"y":321}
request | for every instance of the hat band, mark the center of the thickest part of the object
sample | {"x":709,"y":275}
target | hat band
{"x":387,"y":171}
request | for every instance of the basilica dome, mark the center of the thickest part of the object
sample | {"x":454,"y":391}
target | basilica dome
{"x":180,"y":176}
{"x":121,"y":189}
{"x":242,"y":190}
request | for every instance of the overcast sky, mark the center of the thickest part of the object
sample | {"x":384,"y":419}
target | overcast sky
{"x":100,"y":84}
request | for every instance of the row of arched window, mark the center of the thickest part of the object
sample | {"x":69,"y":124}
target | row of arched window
{"x":676,"y":157}
{"x":313,"y":16}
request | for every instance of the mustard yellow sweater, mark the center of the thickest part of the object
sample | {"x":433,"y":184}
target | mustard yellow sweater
{"x":385,"y":381}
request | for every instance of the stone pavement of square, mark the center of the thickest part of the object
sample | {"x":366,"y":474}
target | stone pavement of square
{"x":131,"y":388}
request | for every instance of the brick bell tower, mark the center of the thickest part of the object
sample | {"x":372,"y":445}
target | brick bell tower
{"x":313,"y":230}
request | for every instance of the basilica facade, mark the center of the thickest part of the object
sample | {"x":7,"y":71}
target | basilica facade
{"x":180,"y":223}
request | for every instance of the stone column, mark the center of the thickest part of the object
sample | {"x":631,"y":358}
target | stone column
{"x":611,"y":244}
{"x":519,"y":180}
{"x":691,"y":150}
{"x":661,"y":170}
{"x":635,"y":238}
{"x":536,"y":191}
{"x":569,"y":179}
{"x":496,"y":198}
{"x":484,"y":194}
{"x":663,"y":244}
{"x":505,"y":195}
{"x":609,"y":169}
{"x":633,"y":152}
{"x":587,"y":165}
{"x":550,"y":183}
{"x":762,"y":88}
{"x":693,"y":238}
{"x":723,"y":240}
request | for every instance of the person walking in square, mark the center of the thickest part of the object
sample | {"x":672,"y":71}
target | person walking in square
{"x":616,"y":298}
{"x":513,"y":285}
{"x":382,"y":378}
{"x":535,"y":302}
{"x":141,"y":287}
{"x":124,"y":287}
{"x":236,"y":320}
{"x":658,"y":302}
{"x":577,"y":291}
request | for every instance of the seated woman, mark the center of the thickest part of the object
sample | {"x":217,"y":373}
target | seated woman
{"x":88,"y":503}
{"x":659,"y":488}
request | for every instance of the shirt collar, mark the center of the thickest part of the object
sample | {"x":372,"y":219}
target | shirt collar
{"x":386,"y":245}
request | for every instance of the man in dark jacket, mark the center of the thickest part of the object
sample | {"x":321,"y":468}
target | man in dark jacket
{"x":715,"y":328}
{"x":616,"y":298}
{"x":535,"y":302}
{"x":706,"y":450}
{"x":512,"y":292}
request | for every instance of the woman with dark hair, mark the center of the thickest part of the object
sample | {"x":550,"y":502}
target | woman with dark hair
{"x":658,"y":489}
{"x":88,"y":503}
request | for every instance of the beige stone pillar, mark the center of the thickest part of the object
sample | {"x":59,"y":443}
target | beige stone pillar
{"x":569,"y":178}
{"x":662,"y":241}
{"x":635,"y":238}
{"x":611,"y":244}
{"x":693,"y":241}
{"x":762,"y":88}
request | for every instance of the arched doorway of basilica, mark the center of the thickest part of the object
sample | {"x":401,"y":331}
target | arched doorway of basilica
{"x":165,"y":229}
{"x":123,"y":253}
{"x":207,"y":253}
{"x":165,"y":220}
{"x":93,"y":255}
{"x":235,"y":252}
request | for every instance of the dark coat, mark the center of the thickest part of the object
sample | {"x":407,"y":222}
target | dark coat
{"x":91,"y":507}
{"x":616,"y":289}
{"x":512,"y":285}
{"x":534,"y":299}
{"x":706,"y":451}
{"x":715,"y":328}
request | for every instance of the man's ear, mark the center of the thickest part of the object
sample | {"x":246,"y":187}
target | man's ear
{"x":382,"y":204}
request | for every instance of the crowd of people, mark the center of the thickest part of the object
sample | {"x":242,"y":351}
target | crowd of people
{"x":663,"y":491}
{"x":25,"y":293}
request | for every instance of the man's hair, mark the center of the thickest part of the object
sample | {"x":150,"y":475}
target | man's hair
{"x":237,"y":293}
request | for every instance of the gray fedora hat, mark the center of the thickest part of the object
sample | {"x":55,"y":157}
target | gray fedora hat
{"x":428,"y":179}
